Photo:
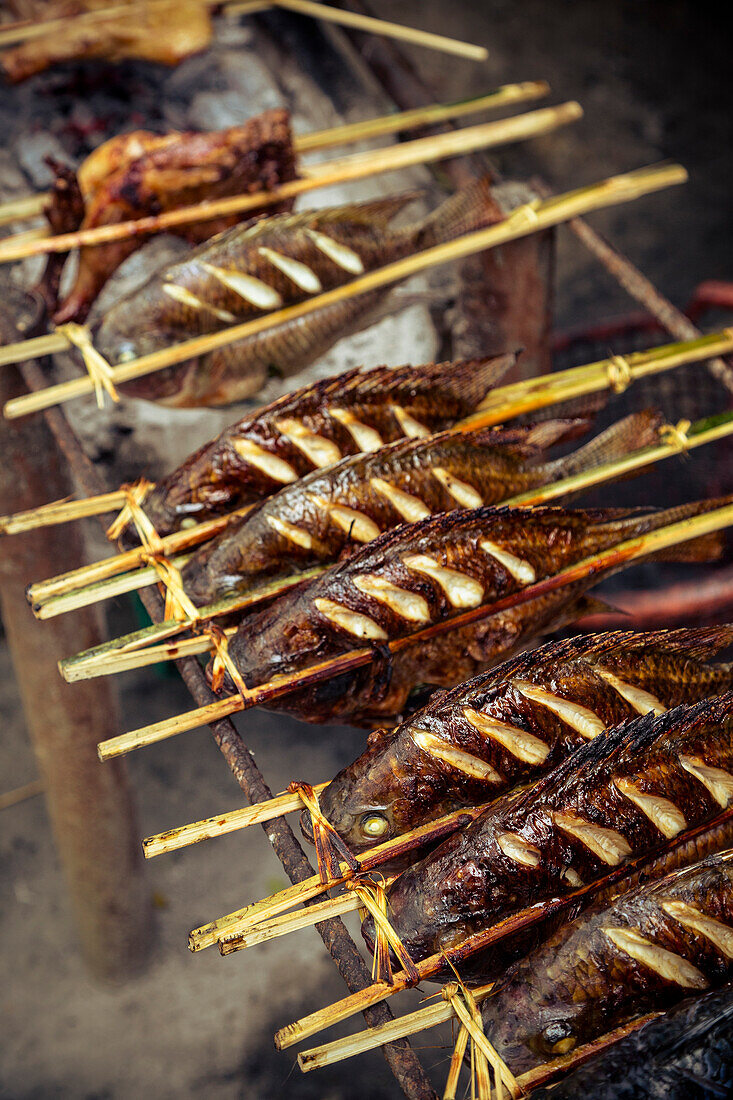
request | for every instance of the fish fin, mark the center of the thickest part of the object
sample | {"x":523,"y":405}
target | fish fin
{"x":699,"y":643}
{"x":638,"y":430}
{"x":627,"y":523}
{"x":548,"y":433}
{"x":375,"y":212}
{"x":589,"y":405}
{"x":471,"y":208}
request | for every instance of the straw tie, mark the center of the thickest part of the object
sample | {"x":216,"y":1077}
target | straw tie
{"x":178,"y":604}
{"x":619,"y":373}
{"x":525,"y":214}
{"x":97,"y":366}
{"x":373,"y":896}
{"x":331,"y":849}
{"x":676,"y":435}
{"x":223,"y":661}
{"x":483,"y":1055}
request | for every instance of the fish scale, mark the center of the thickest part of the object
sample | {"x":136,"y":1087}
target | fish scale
{"x":395,"y":786}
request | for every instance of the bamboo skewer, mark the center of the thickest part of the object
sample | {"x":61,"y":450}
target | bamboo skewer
{"x":94,"y":663}
{"x":524,"y":221}
{"x":370,"y":25}
{"x":86,"y":576}
{"x":345,"y":169}
{"x":128,"y":651}
{"x":520,"y":921}
{"x":504,"y":96}
{"x":24,"y":30}
{"x":21,"y":794}
{"x":229,"y":821}
{"x":61,"y":511}
{"x":103,"y":590}
{"x":621,"y":554}
{"x":243,"y":920}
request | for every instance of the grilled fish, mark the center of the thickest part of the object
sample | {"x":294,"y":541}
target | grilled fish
{"x":141,"y":173}
{"x":251,"y":270}
{"x":323,"y":514}
{"x":424,"y":573}
{"x":518,"y":721}
{"x":686,"y":1054}
{"x":165,"y":33}
{"x":645,"y":951}
{"x":622,"y":795}
{"x":316,"y":426}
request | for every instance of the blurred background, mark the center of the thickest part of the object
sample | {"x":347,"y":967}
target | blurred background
{"x":652,"y":78}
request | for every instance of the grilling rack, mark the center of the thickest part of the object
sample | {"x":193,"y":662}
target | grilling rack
{"x":398,"y":80}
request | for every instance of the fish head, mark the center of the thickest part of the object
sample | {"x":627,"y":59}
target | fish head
{"x":387,"y":791}
{"x":526,"y":1024}
{"x":126,"y":332}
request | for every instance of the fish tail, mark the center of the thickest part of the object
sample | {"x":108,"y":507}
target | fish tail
{"x":471,"y":208}
{"x":704,"y":548}
{"x":638,"y":430}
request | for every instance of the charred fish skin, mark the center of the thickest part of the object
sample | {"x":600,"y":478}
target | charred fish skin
{"x":517,"y":722}
{"x":649,"y":949}
{"x":686,"y":1054}
{"x":319,"y":516}
{"x":316,"y":426}
{"x":251,"y":270}
{"x":428,"y":572}
{"x":625,"y":794}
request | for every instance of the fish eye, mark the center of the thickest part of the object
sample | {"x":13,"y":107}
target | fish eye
{"x":374,"y":825}
{"x":559,"y":1037}
{"x":126,"y":353}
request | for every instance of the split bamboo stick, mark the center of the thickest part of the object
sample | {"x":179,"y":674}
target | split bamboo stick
{"x":520,"y":921}
{"x":103,"y":590}
{"x":401,"y":1028}
{"x":243,"y":920}
{"x":345,"y":169}
{"x":61,"y":511}
{"x":524,"y":221}
{"x":77,"y":579}
{"x":505,"y":96}
{"x":622,"y":554}
{"x":114,"y":656}
{"x":229,"y":821}
{"x":672,"y":441}
{"x":21,"y":794}
{"x":370,"y":25}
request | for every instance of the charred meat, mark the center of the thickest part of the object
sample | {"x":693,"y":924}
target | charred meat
{"x":142,"y":173}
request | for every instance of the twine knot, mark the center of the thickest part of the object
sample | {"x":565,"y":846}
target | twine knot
{"x":527,"y":213}
{"x":331,"y":849}
{"x":675,"y":435}
{"x":619,"y":373}
{"x":373,"y":896}
{"x":485,"y":1059}
{"x":98,"y":368}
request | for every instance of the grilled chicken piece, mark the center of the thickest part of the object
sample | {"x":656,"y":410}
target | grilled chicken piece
{"x":166,"y":32}
{"x":647,"y":950}
{"x":249,"y":271}
{"x":515,"y":723}
{"x":326,"y":513}
{"x":316,"y":426}
{"x":141,"y":173}
{"x":623,"y":795}
{"x":424,"y":573}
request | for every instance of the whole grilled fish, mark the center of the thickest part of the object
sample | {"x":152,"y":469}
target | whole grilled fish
{"x":316,"y":426}
{"x":518,"y":721}
{"x":686,"y":1054}
{"x":321,"y":515}
{"x":424,"y":573}
{"x":622,"y":795}
{"x":647,"y":950}
{"x":248,"y":271}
